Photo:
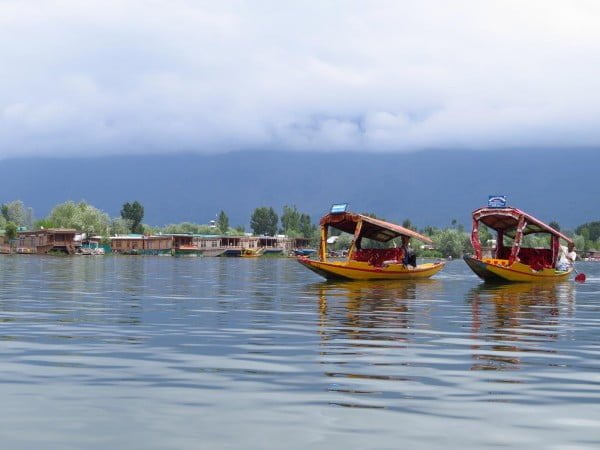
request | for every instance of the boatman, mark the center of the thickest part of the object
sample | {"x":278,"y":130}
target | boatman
{"x":566,"y":257}
{"x":409,"y":258}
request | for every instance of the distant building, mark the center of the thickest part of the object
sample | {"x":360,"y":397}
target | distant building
{"x":185,"y":245}
{"x":63,"y":240}
{"x":134,"y":244}
{"x":592,"y":255}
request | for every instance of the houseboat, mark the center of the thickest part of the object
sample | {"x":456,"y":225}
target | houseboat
{"x":273,"y":245}
{"x":364,"y":263}
{"x":253,"y":245}
{"x":185,"y":245}
{"x":137,"y":244}
{"x":511,"y":261}
{"x":209,"y":245}
{"x":59,"y":240}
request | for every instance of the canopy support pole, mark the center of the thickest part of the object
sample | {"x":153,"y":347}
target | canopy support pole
{"x":475,"y":239}
{"x":518,"y":238}
{"x":352,"y":249}
{"x":323,"y":246}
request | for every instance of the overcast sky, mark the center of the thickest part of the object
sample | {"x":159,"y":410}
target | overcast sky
{"x":127,"y":76}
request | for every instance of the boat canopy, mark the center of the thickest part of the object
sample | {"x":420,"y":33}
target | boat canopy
{"x":375,"y":229}
{"x":507,"y":221}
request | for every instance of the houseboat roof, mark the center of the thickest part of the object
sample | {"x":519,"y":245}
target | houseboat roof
{"x":50,"y":230}
{"x":507,"y":219}
{"x":140,"y":236}
{"x":205,"y":236}
{"x":375,"y":229}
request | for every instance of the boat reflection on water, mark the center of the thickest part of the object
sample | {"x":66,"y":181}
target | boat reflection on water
{"x":515,"y":321}
{"x":365,"y":328}
{"x":374,"y":310}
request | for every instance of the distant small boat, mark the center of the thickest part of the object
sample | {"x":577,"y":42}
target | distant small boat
{"x":90,"y":248}
{"x":514,"y":262}
{"x":304,"y":251}
{"x":250,"y":253}
{"x":369,"y":263}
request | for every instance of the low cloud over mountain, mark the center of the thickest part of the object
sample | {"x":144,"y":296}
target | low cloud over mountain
{"x":139,"y":77}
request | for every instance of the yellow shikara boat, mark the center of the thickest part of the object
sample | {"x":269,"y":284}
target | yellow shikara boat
{"x":369,"y":263}
{"x":515,"y":263}
{"x":250,"y":253}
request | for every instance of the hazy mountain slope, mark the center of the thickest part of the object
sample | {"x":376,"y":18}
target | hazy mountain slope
{"x":428,"y":187}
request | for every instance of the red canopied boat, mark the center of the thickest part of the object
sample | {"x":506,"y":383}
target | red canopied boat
{"x":515,"y":262}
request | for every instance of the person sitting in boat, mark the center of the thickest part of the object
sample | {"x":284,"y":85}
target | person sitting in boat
{"x":409,"y":257}
{"x":566,"y":257}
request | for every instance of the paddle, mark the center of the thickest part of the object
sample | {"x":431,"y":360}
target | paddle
{"x":580,"y":278}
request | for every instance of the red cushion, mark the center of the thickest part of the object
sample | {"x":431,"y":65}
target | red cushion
{"x":377,"y":256}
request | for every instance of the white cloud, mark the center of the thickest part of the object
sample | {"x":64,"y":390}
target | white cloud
{"x":100,"y":77}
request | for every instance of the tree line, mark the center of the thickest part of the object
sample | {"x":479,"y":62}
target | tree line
{"x":453,"y":240}
{"x":93,"y":221}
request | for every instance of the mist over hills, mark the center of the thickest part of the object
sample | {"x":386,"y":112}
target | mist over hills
{"x":428,"y":187}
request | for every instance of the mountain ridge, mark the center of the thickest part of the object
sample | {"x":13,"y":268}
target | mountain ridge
{"x":427,"y":187}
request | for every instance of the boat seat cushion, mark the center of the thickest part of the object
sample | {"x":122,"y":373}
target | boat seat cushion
{"x":377,"y":256}
{"x":536,"y":258}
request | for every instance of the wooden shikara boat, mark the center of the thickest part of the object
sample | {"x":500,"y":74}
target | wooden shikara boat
{"x":369,"y":263}
{"x":514,"y":262}
{"x":250,"y":253}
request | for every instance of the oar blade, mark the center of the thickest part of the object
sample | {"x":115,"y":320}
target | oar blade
{"x":580,"y":278}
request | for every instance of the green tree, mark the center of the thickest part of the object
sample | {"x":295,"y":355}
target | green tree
{"x":430,"y":231}
{"x":296,"y":224}
{"x":119,"y":226}
{"x":307,"y":229}
{"x":590,"y":230}
{"x":408,"y":224}
{"x":149,"y":229}
{"x":485,"y":235}
{"x":451,"y":242}
{"x":290,"y":219}
{"x":554,"y":224}
{"x":223,"y":222}
{"x":579,"y":242}
{"x":184,"y":228}
{"x":134,"y":212}
{"x":342,"y":242}
{"x":80,"y":216}
{"x":43,"y":224}
{"x":11,"y":231}
{"x":264,"y":221}
{"x":18,"y":213}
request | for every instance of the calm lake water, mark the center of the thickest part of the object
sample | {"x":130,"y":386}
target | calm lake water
{"x":224,"y":353}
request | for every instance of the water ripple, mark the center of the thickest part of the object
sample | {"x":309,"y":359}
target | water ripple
{"x":170,"y":353}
